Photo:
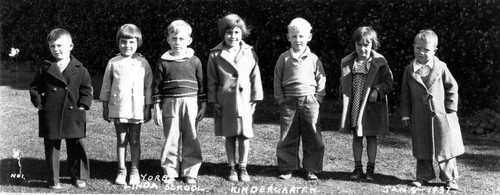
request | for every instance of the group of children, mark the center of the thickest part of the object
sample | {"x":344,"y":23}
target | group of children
{"x":179,"y":88}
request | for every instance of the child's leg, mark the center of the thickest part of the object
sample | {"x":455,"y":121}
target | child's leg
{"x":231,"y":150}
{"x":357,"y":150}
{"x":243,"y":150}
{"x":425,"y":170}
{"x":134,"y":138}
{"x":171,"y":131}
{"x":371,"y":148}
{"x":78,"y":163}
{"x":52,"y":150}
{"x":191,"y":149}
{"x":288,"y":145}
{"x":312,"y":141}
{"x":121,"y":146}
{"x":448,"y":170}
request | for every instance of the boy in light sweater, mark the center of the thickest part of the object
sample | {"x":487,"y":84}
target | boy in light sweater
{"x":299,"y":88}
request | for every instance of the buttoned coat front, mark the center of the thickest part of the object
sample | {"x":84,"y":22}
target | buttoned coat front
{"x":233,"y":83}
{"x":127,"y":86}
{"x":60,"y":95}
{"x":373,"y":116}
{"x":435,"y":133}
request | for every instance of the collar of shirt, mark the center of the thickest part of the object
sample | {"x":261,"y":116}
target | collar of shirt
{"x":417,"y":66}
{"x":189,"y":53}
{"x":297,"y":55}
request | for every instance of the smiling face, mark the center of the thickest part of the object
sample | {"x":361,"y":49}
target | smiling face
{"x":61,"y":47}
{"x":299,"y":39}
{"x":128,"y":46}
{"x":424,"y":50}
{"x":363,"y":48}
{"x":233,"y":37}
{"x":179,"y":41}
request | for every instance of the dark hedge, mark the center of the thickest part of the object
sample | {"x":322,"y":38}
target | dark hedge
{"x":468,"y":32}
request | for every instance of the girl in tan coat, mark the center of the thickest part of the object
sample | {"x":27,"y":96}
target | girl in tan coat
{"x":365,"y":81}
{"x":234,"y":86}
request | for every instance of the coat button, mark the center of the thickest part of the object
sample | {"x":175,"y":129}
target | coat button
{"x":66,"y":88}
{"x":70,"y":107}
{"x":54,"y":89}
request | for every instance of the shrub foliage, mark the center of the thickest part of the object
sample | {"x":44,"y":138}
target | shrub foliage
{"x":468,"y":32}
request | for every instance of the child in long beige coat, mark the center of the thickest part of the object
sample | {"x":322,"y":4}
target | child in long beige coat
{"x":429,"y":102}
{"x":234,"y":87}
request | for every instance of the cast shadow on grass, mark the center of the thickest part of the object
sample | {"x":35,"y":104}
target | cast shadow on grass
{"x":380,"y":179}
{"x":34,"y":171}
{"x":222,"y":169}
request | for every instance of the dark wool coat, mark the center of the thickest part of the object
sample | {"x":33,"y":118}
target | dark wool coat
{"x":233,"y":85}
{"x":435,"y":133}
{"x":373,"y":116}
{"x":60,"y":96}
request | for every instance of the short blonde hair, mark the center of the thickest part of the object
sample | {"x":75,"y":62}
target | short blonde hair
{"x":58,"y":33}
{"x":427,"y":36}
{"x":129,"y":31}
{"x":231,"y":21}
{"x":299,"y":24}
{"x":179,"y":25}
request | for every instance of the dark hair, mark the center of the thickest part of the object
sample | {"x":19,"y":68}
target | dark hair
{"x":366,"y":32}
{"x":57,"y":33}
{"x":129,"y":31}
{"x":229,"y":22}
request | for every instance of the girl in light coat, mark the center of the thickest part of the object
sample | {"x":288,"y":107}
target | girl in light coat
{"x":365,"y":82}
{"x":234,"y":86}
{"x":126,"y":99}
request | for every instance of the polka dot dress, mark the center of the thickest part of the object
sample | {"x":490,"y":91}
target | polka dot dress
{"x":360,"y":72}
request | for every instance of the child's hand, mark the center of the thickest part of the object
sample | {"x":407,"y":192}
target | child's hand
{"x":147,"y":113}
{"x":373,"y":95}
{"x":157,"y":115}
{"x":407,"y":122}
{"x":105,"y":111}
{"x":201,"y":111}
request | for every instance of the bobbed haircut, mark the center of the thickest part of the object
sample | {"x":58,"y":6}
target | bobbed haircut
{"x":427,"y":36}
{"x":366,"y":32}
{"x":231,"y":21}
{"x":178,"y":26}
{"x":57,"y":33}
{"x":129,"y":31}
{"x":299,"y":24}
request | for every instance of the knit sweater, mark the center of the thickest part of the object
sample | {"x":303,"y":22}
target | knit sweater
{"x":176,"y":76}
{"x":299,"y":76}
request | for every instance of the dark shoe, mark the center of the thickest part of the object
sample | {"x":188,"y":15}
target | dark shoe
{"x":191,"y":180}
{"x":418,"y":183}
{"x":370,"y":175}
{"x":79,"y":183}
{"x":286,"y":175}
{"x":56,"y":187}
{"x":233,"y":175}
{"x":244,"y":177}
{"x":452,"y":185}
{"x":311,"y":176}
{"x":356,"y":174}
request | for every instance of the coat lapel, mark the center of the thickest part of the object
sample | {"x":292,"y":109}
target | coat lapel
{"x":54,"y":72}
{"x":415,"y":76}
{"x":435,"y":73}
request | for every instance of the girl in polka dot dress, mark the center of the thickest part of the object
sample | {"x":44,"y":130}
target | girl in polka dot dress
{"x":364,"y":84}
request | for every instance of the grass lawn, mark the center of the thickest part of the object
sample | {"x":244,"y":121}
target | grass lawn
{"x":479,"y":167}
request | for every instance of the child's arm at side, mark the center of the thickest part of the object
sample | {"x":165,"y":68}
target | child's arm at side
{"x":321,"y":81}
{"x":278,"y":75}
{"x":212,"y":83}
{"x":405,"y":101}
{"x":86,"y":90}
{"x":202,"y":92}
{"x":107,"y":79}
{"x":451,"y":91}
{"x":36,"y":90}
{"x":385,"y":86}
{"x":148,"y":85}
{"x":156,"y":97}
